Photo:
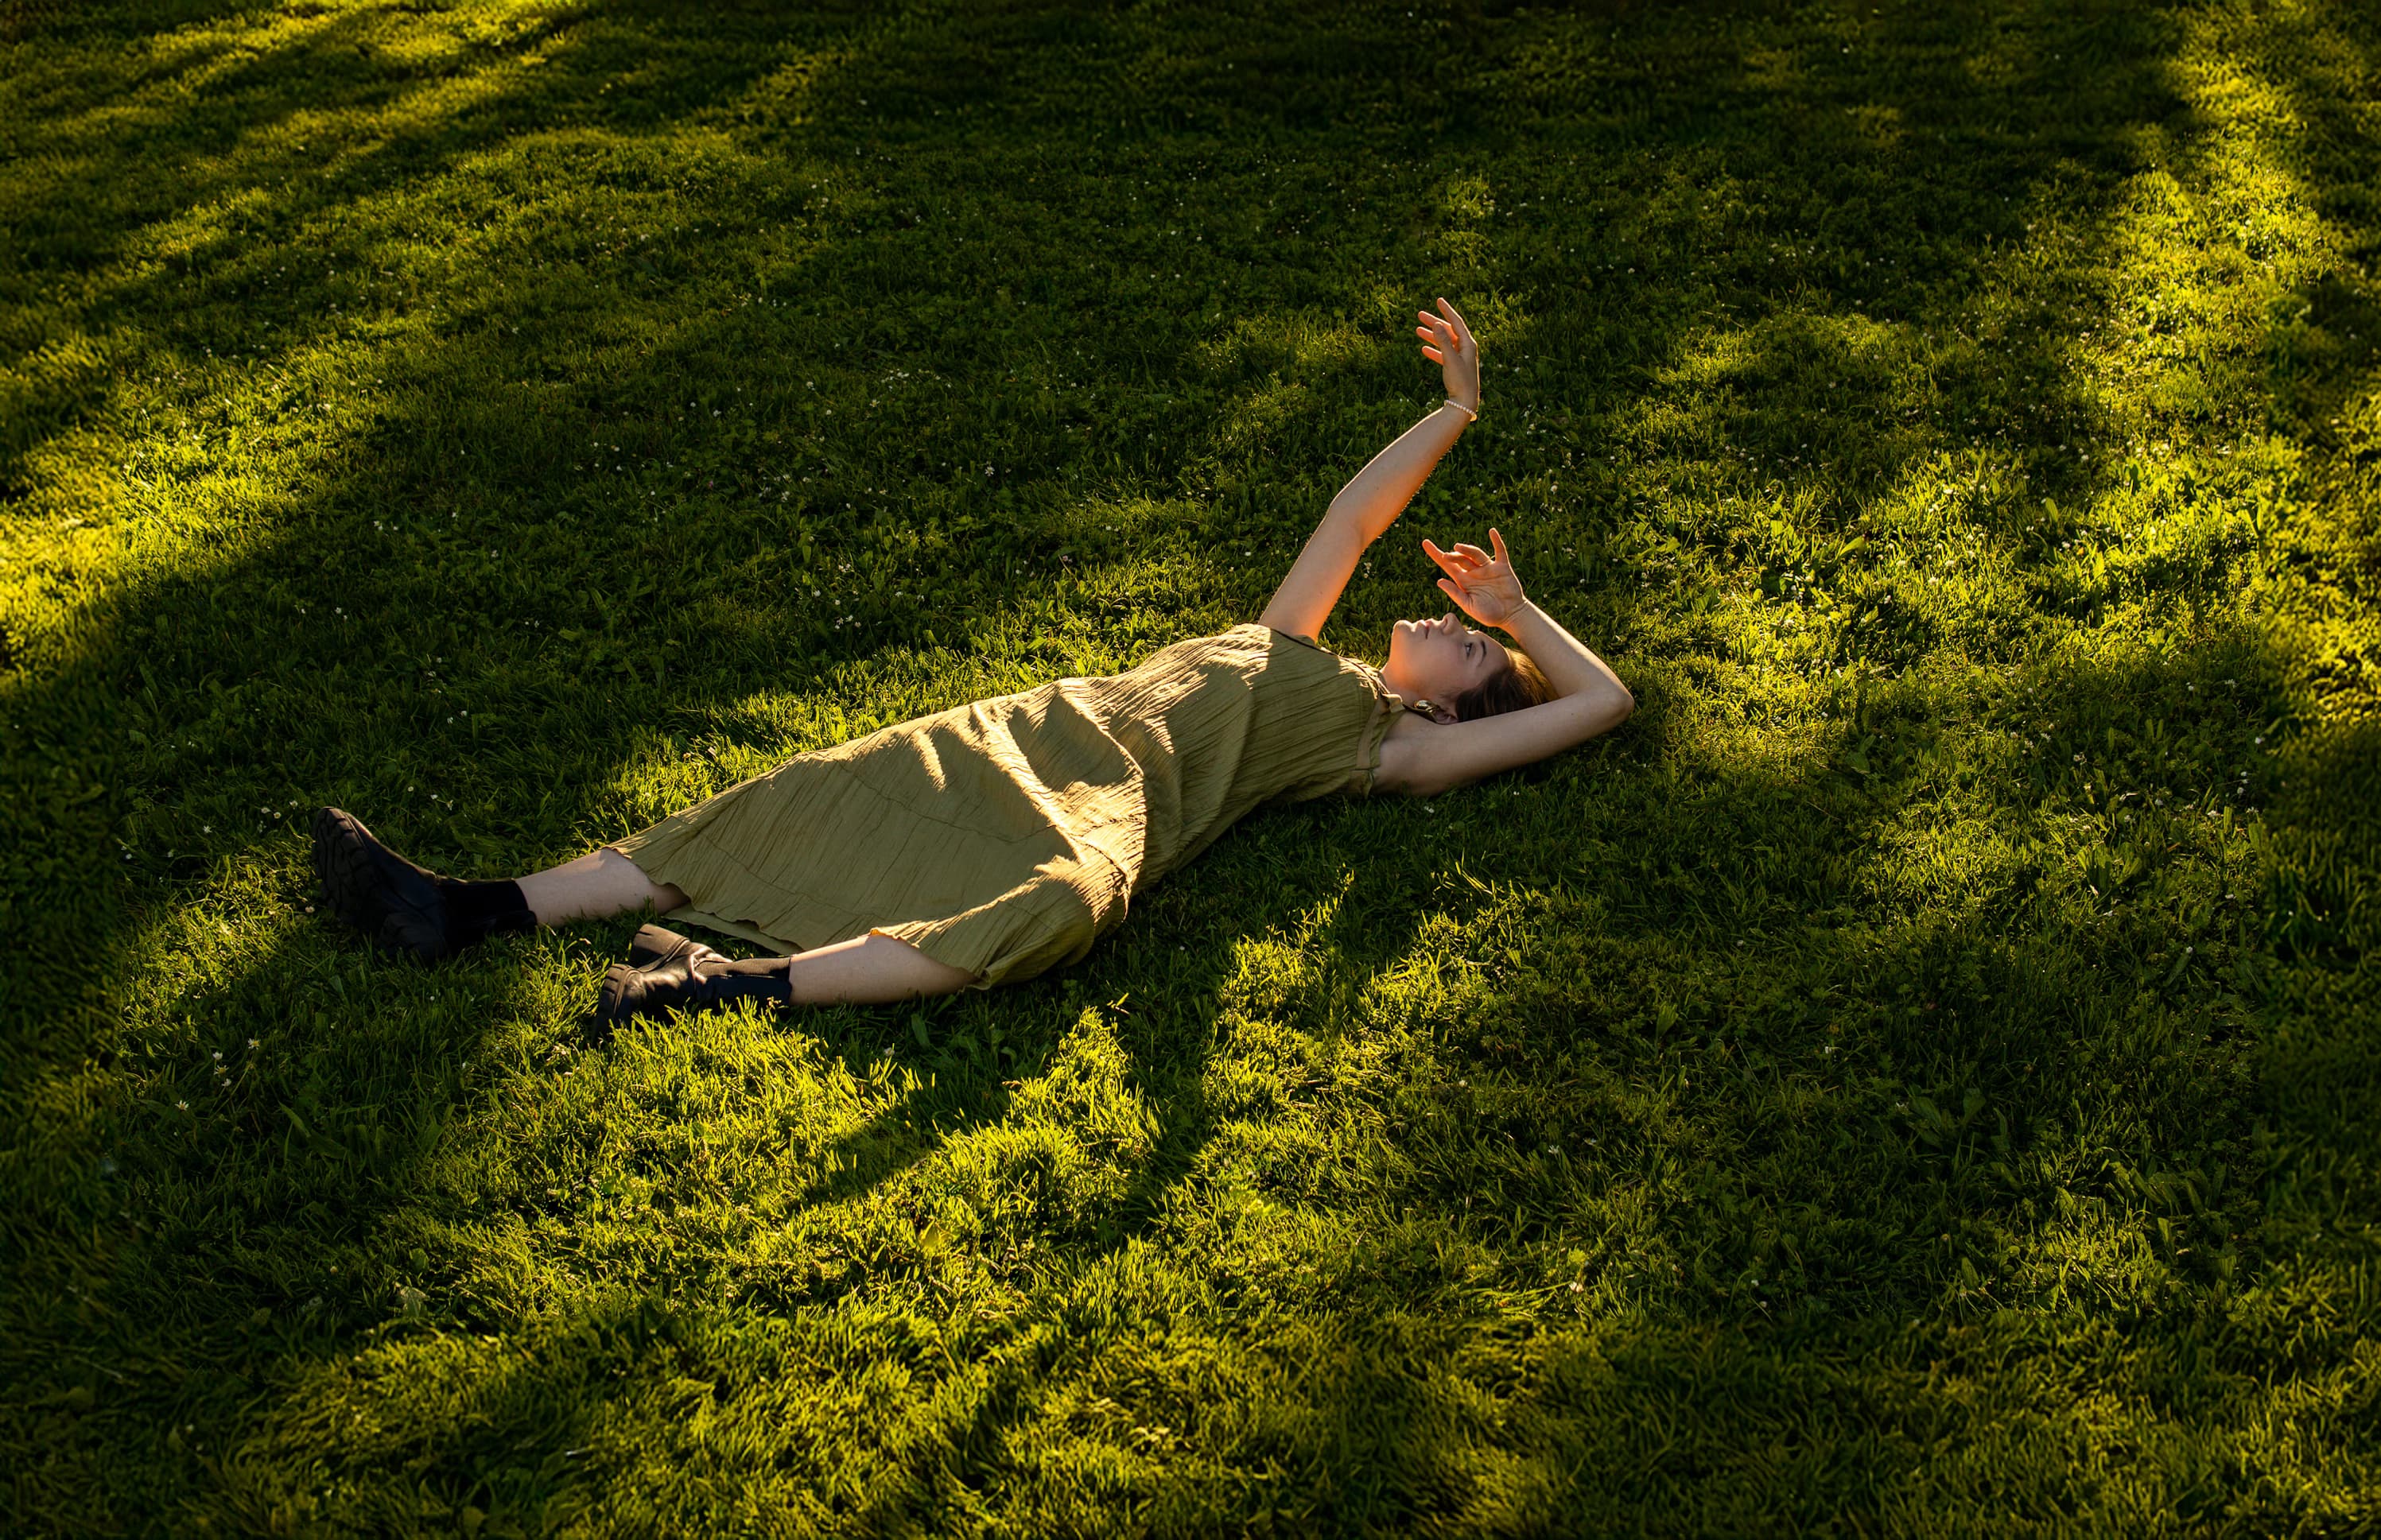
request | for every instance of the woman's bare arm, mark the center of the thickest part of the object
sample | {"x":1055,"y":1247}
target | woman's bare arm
{"x":1423,"y":759}
{"x":1374,"y":498}
{"x":1566,"y":661}
{"x":1365,"y":507}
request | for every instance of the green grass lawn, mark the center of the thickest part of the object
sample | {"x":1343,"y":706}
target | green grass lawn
{"x":1918,"y":1076}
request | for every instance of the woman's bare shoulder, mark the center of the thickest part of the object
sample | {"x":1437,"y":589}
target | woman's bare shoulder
{"x":1408,"y":742}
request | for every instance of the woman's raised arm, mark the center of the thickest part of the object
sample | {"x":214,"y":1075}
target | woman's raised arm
{"x":1374,"y":498}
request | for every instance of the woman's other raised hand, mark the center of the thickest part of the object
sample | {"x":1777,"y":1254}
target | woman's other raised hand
{"x":1484,"y":587}
{"x":1448,"y":343}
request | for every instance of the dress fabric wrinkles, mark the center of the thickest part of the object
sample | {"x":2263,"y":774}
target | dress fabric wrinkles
{"x":1006,"y":836}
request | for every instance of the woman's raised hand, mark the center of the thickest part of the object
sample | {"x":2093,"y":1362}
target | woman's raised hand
{"x":1484,"y":587}
{"x":1448,"y":342}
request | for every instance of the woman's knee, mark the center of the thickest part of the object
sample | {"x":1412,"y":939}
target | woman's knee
{"x":631,"y":876}
{"x":600,"y":883}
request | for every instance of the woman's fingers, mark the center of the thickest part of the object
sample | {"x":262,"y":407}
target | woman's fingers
{"x":1451,"y":336}
{"x":1469,"y":555}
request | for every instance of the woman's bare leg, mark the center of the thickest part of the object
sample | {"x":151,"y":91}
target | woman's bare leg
{"x":865,"y":970}
{"x":869,"y":970}
{"x":596,"y":886}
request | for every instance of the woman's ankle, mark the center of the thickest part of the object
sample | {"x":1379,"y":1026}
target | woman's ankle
{"x":476,"y":910}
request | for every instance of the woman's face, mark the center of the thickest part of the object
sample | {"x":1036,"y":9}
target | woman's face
{"x":1438,"y":659}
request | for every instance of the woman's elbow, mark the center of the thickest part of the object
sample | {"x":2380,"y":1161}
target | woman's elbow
{"x":1609,"y":703}
{"x":1609,"y":711}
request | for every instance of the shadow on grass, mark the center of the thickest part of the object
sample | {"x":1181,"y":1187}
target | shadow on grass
{"x":1819,"y":1189}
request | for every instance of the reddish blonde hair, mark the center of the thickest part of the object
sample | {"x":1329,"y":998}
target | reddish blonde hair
{"x":1519,"y":683}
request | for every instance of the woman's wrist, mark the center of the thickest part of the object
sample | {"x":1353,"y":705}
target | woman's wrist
{"x":1517,"y":616}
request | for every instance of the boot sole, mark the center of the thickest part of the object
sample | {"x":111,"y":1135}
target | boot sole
{"x":352,"y":884}
{"x":612,"y":1012}
{"x":609,"y":1010}
{"x":342,"y":865}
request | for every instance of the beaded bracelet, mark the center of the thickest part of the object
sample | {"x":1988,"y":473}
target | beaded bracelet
{"x":1459,"y":406}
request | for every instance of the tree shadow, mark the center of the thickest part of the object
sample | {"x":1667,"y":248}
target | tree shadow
{"x":1305,"y":922}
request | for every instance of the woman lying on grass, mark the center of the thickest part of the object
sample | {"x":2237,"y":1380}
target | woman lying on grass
{"x":993,"y":842}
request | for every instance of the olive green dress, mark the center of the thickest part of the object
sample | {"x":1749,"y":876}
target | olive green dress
{"x":1003,"y":837}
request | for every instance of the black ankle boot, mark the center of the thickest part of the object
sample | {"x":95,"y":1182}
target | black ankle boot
{"x":403,"y":908}
{"x":678,"y":972}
